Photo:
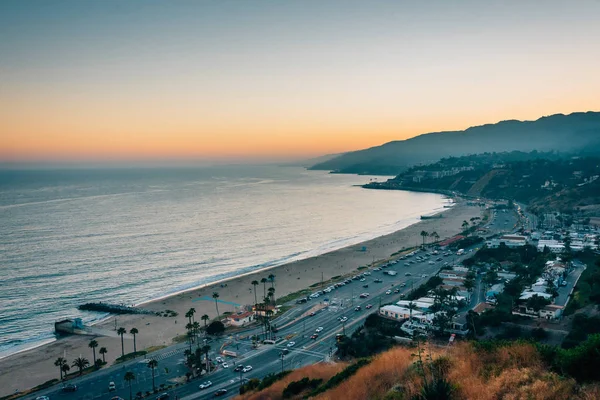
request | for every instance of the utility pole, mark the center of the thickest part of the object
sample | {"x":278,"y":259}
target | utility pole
{"x":282,"y":357}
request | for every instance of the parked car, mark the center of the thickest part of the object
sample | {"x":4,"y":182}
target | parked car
{"x":220,"y":392}
{"x":205,"y":385}
{"x":112,"y":387}
{"x":69,"y":388}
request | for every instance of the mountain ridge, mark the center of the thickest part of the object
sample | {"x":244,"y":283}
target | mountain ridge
{"x":556,"y":132}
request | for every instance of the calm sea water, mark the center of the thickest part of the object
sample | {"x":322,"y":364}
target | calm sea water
{"x":132,"y":235}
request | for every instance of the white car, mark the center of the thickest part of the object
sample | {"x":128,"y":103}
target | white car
{"x":362,"y":280}
{"x":319,"y":329}
{"x":42,"y":398}
{"x":388,"y":292}
{"x":247,"y":368}
{"x":343,"y":319}
{"x":291,"y":344}
{"x":225,"y":365}
{"x":112,"y":387}
{"x":205,"y":385}
{"x":219,"y":359}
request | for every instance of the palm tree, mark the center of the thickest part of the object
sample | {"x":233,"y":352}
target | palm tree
{"x":216,"y":296}
{"x":122,"y":331}
{"x":134,"y":332}
{"x":255,"y":284}
{"x":435,"y":236}
{"x":93,"y":344}
{"x":424,"y":234}
{"x":465,"y":225}
{"x":268,"y":314}
{"x":205,"y":318}
{"x":80,"y":363}
{"x":188,"y":315}
{"x":129,"y":377}
{"x":65,"y":368}
{"x":264,"y":282}
{"x":103,"y":351}
{"x":59,"y":362}
{"x":153,"y":364}
{"x":192,"y":311}
{"x":205,"y":350}
{"x":271,"y":295}
{"x":411,"y":307}
{"x":189,"y":328}
{"x":196,"y":329}
{"x":271,"y":279}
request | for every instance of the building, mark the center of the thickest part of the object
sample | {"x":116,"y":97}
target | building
{"x":448,"y":273}
{"x":507,"y":240}
{"x":398,"y":313}
{"x":240,"y":319}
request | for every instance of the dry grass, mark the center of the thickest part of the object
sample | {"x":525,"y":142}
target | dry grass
{"x":509,"y":373}
{"x":317,"y":371}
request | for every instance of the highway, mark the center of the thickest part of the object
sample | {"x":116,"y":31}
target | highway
{"x":296,"y":324}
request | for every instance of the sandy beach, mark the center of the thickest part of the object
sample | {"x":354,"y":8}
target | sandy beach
{"x":27,"y":369}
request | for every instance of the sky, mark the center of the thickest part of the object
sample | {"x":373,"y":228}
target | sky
{"x":229,"y":80}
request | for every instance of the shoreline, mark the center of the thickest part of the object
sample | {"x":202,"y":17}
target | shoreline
{"x":290,"y":277}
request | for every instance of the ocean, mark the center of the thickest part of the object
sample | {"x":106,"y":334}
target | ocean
{"x":132,"y":235}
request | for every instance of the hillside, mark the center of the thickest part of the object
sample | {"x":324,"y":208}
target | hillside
{"x":545,"y":181}
{"x":465,"y":371}
{"x":573,"y":132}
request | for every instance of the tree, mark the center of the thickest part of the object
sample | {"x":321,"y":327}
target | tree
{"x":188,"y":315}
{"x":411,"y":307}
{"x":424,"y":234}
{"x":264,"y":282}
{"x":205,"y":318}
{"x":193,"y":312}
{"x":255,"y":284}
{"x":205,"y":350}
{"x":93,"y":344}
{"x":121,"y":332}
{"x":435,"y":236}
{"x":129,"y":377}
{"x":80,"y":363}
{"x":536,"y":303}
{"x":271,"y":295}
{"x":189,"y":328}
{"x":215,"y":328}
{"x":103,"y":351}
{"x":272,"y":279}
{"x":215,"y":296}
{"x":465,"y":225}
{"x":134,"y":332}
{"x":59,"y":362}
{"x":153,"y":364}
{"x":65,"y":368}
{"x":196,"y":329}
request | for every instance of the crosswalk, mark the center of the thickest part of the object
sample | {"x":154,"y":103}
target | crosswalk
{"x":162,"y":356}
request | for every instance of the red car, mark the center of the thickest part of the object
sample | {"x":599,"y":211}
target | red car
{"x":369,"y":306}
{"x":314,"y":337}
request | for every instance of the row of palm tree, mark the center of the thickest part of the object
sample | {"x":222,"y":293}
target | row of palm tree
{"x":122,"y":331}
{"x":195,"y":359}
{"x":434,"y":235}
{"x":129,"y":377}
{"x":63,"y":365}
{"x":268,"y":300}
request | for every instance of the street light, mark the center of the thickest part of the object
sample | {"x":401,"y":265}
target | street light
{"x":282,"y":358}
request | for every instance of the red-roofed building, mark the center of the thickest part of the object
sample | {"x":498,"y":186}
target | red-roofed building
{"x":240,"y":319}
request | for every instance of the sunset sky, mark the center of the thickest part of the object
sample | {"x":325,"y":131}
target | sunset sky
{"x":144,"y":80}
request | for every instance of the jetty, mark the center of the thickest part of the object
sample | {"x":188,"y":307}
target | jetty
{"x":113,"y":308}
{"x":436,"y":216}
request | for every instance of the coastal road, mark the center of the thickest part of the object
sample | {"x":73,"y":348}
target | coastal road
{"x":298,"y":328}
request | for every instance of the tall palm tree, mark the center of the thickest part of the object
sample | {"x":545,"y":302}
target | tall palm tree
{"x":153,"y":364}
{"x":264,"y":282}
{"x":271,"y":295}
{"x":205,"y":318}
{"x":134,"y":332}
{"x":465,"y":225}
{"x":65,"y":368}
{"x":188,"y":315}
{"x":435,"y":236}
{"x":59,"y":362}
{"x":122,"y":331}
{"x":424,"y":234}
{"x":103,"y":351}
{"x":93,"y":344}
{"x":272,"y":279}
{"x":268,"y":313}
{"x":80,"y":363}
{"x":411,"y":307}
{"x":205,"y":350}
{"x":255,"y":284}
{"x":192,"y":311}
{"x":129,"y":377}
{"x":189,"y":328}
{"x":216,"y":296}
{"x":196,"y":329}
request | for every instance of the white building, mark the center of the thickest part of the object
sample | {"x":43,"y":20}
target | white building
{"x":240,"y":319}
{"x":508,"y":240}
